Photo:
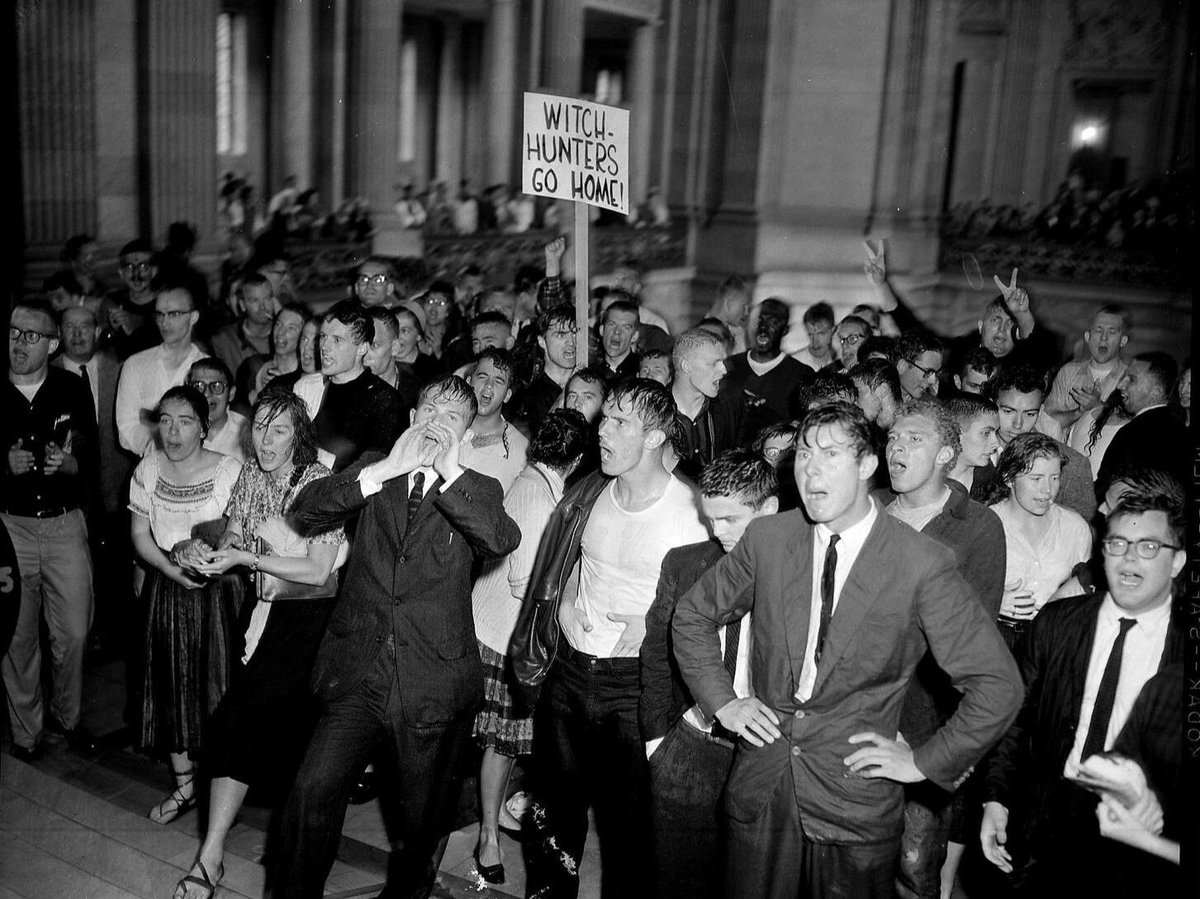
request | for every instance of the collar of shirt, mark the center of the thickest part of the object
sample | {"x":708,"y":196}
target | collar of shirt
{"x":1152,"y":620}
{"x":849,"y":546}
{"x":1151,"y":409}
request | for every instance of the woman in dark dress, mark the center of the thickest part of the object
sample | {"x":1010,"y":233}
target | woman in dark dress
{"x":259,"y":731}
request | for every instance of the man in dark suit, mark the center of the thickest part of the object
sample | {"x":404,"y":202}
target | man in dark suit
{"x":689,"y":757}
{"x":1084,"y":662}
{"x":844,"y":609}
{"x":398,"y":665}
{"x":1155,"y":437}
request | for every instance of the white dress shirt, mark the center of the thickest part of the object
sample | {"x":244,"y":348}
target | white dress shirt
{"x":848,"y":548}
{"x":1140,"y":659}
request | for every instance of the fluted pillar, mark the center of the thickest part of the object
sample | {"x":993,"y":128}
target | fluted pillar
{"x":294,"y":92}
{"x":56,"y":61}
{"x":501,"y":88}
{"x":373,"y":120}
{"x":642,"y":110}
{"x":179,"y":127}
{"x":562,"y":47}
{"x":450,"y":107}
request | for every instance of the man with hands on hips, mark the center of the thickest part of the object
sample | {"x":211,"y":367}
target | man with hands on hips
{"x":398,"y":667}
{"x":845,"y":603}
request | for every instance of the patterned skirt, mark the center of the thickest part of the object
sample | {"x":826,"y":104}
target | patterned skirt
{"x":497,"y":725}
{"x":191,"y":642}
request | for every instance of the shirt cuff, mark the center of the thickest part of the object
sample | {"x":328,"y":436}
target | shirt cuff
{"x":367,"y":484}
{"x":446,"y":485}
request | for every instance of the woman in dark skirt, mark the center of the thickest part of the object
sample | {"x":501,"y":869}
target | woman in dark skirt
{"x":178,"y":496}
{"x":259,"y":732}
{"x":496,"y":599}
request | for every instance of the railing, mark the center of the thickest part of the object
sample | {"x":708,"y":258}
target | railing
{"x":325,"y":266}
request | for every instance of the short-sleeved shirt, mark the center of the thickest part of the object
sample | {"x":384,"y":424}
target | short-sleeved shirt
{"x":175,"y":510}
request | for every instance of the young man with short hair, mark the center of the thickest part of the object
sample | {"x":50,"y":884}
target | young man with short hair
{"x":851,"y":332}
{"x":48,"y":431}
{"x":657,"y":366}
{"x":374,"y":285}
{"x":732,"y":306}
{"x":978,"y":421}
{"x":922,"y":444}
{"x":691,"y":753}
{"x":1080,"y":386}
{"x":617,"y":524}
{"x":497,"y":449}
{"x":618,"y":339}
{"x":708,"y":421}
{"x":765,"y":376}
{"x":879,"y":391}
{"x":846,"y":601}
{"x":225,"y":426}
{"x":556,"y":339}
{"x":147,"y":375}
{"x":250,"y":335}
{"x":818,"y":323}
{"x":974,"y":372}
{"x":357,"y":411}
{"x":919,"y":364}
{"x":126,"y":315}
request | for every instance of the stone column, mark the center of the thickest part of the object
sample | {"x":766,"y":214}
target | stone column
{"x":294,"y":91}
{"x":562,"y":46}
{"x":56,"y":95}
{"x":373,"y":119}
{"x":450,"y":105}
{"x":116,"y":123}
{"x":642,"y":111}
{"x":178,"y":134}
{"x":501,"y":90}
{"x":330,"y":107}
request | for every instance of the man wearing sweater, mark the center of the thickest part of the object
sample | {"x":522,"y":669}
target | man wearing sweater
{"x":764,"y":375}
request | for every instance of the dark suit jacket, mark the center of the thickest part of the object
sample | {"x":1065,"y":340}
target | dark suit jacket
{"x":664,"y":696}
{"x":410,"y":580}
{"x":1024,"y":774}
{"x":903,"y":594}
{"x":115,"y":464}
{"x":1155,"y":438}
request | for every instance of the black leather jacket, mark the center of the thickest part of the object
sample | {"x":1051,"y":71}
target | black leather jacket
{"x":535,"y":638}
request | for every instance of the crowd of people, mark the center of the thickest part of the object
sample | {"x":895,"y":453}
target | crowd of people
{"x":873,"y":613}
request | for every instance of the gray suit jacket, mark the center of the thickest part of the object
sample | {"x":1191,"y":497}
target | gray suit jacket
{"x":903,"y":595}
{"x":116,"y":465}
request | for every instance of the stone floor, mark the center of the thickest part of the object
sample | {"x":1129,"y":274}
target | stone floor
{"x":74,"y":826}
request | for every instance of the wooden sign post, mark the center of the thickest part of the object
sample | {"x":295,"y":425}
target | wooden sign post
{"x":578,"y":151}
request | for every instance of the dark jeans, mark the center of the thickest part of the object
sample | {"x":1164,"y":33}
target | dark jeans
{"x":588,"y":751}
{"x":771,"y":858}
{"x":928,"y":812}
{"x":429,"y":760}
{"x":687,"y":778}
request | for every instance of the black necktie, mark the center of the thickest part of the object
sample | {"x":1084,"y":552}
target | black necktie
{"x":87,"y":380}
{"x":415,"y":494}
{"x":827,"y":576}
{"x":1106,"y":695}
{"x":733,"y":635}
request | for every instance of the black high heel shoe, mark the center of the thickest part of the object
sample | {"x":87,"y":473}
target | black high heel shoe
{"x":490,"y":873}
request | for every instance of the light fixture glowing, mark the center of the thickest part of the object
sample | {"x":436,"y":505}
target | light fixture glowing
{"x":1088,"y":134}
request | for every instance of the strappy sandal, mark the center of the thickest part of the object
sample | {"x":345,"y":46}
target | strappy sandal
{"x":207,"y":885}
{"x":175,"y":804}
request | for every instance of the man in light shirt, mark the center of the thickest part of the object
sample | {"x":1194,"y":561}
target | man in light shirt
{"x":692,"y":754}
{"x":587,"y":746}
{"x":147,"y":375}
{"x":212,"y":378}
{"x":1084,"y":661}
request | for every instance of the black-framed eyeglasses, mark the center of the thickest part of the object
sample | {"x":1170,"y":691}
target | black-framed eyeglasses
{"x":137,"y":268}
{"x":377,"y":280}
{"x":927,"y":372}
{"x":852,"y":339}
{"x":29,"y":338}
{"x":170,"y":314}
{"x":436,"y":301}
{"x":216,"y":388}
{"x":1146,"y":549}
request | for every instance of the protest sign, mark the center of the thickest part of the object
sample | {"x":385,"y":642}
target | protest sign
{"x":575,"y":150}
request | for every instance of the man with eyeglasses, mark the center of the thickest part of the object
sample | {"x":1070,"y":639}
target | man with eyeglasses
{"x":1084,"y":662}
{"x":250,"y":335}
{"x":48,"y":430}
{"x":147,"y":375}
{"x":851,"y":332}
{"x":225,"y":426}
{"x":373,"y":286}
{"x":126,"y":313}
{"x":919,"y":364}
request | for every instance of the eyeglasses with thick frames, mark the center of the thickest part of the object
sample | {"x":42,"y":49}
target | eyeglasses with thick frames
{"x":1146,"y":549}
{"x":137,"y":268}
{"x":216,"y":388}
{"x":852,"y":339}
{"x":29,"y":338}
{"x":934,"y":373}
{"x":171,"y":314}
{"x":377,"y":280}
